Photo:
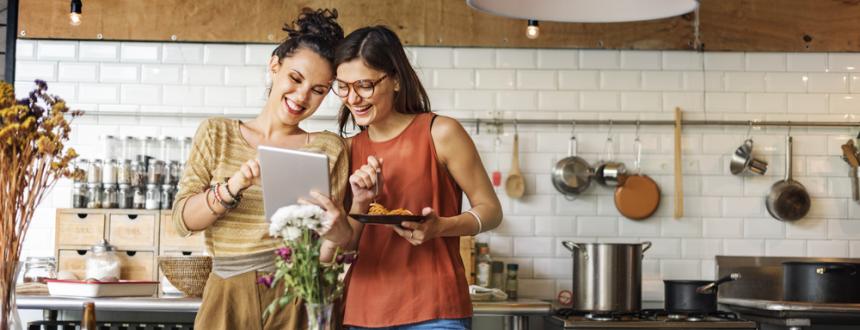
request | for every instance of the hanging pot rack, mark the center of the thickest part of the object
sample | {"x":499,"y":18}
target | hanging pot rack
{"x":495,"y":122}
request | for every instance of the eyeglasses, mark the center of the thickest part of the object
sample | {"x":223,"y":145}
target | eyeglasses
{"x":364,"y":88}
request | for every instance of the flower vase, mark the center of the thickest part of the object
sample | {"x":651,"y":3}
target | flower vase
{"x":319,"y":316}
{"x":13,"y":320}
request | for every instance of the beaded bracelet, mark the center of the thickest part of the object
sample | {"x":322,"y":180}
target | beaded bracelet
{"x":211,"y":210}
{"x":235,"y":197}
{"x":225,"y":204}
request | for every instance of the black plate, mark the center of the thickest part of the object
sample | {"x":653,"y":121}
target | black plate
{"x":386,"y":219}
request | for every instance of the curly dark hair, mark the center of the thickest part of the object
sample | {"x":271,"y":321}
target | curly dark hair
{"x":316,"y":30}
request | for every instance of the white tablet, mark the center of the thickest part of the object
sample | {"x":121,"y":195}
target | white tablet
{"x":287,"y":175}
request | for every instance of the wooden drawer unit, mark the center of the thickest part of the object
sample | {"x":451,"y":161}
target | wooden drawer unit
{"x":79,"y":227}
{"x":170,"y":240}
{"x":132,"y":231}
{"x":137,"y":265}
{"x":73,"y":261}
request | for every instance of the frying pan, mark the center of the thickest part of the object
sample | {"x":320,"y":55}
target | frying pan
{"x":639,"y":197}
{"x":572,"y":174}
{"x":788,"y":199}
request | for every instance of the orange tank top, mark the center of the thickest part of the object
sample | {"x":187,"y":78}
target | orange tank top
{"x":393,"y":282}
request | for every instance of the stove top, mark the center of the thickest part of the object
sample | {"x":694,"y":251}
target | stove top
{"x":645,"y":319}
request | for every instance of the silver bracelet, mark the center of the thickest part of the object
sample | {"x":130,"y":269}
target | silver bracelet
{"x":478,"y":219}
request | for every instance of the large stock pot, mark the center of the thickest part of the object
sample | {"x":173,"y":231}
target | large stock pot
{"x":607,"y":277}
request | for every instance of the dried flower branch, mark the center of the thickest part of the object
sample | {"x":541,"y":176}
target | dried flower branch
{"x":32,"y":158}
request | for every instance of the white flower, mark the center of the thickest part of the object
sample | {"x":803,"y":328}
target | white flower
{"x":291,"y":233}
{"x":288,"y":221}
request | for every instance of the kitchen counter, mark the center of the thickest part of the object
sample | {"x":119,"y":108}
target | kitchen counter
{"x":190,"y":305}
{"x":517,"y":311}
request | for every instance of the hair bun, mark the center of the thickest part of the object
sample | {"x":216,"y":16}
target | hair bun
{"x":321,"y":23}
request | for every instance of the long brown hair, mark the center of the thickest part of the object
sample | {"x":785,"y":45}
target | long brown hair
{"x":380,"y":49}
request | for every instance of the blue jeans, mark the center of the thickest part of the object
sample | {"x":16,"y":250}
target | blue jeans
{"x":447,"y":324}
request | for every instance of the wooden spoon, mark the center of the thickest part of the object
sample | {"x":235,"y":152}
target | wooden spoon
{"x":515,"y":185}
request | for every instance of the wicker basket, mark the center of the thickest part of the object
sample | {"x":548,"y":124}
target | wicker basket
{"x":188,"y":273}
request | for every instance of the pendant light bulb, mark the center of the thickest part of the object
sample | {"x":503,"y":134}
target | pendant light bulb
{"x":75,"y":12}
{"x":533,"y":30}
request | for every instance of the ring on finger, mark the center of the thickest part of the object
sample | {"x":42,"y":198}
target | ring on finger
{"x":411,"y":233}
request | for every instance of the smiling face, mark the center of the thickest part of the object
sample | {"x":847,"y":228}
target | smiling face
{"x":299,"y":85}
{"x":366,"y":110}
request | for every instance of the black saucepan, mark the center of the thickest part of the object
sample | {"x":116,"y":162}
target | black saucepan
{"x":821,"y":282}
{"x":700,"y":297}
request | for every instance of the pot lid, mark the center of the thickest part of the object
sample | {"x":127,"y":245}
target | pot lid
{"x":104,"y":246}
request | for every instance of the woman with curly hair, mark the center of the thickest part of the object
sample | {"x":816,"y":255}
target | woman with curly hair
{"x":220,"y":192}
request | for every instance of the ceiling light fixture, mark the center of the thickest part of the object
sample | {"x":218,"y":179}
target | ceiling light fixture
{"x":533,"y":30}
{"x":75,"y":12}
{"x":585,"y":11}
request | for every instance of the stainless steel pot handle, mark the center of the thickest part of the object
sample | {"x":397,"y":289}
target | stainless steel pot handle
{"x":646,"y":245}
{"x":573,"y":247}
{"x":836,"y":268}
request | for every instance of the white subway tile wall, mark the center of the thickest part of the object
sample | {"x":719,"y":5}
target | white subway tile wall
{"x":725,"y":214}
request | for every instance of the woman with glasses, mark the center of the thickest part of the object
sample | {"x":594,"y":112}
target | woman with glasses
{"x":220,"y":192}
{"x":409,"y":276}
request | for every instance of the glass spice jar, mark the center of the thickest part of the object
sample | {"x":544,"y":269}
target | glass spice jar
{"x":39,"y":269}
{"x":94,"y":195}
{"x":123,"y":173}
{"x":153,"y":197}
{"x":174,"y":172}
{"x":109,"y":172}
{"x":155,"y":173}
{"x":137,"y":174}
{"x":125,"y":197}
{"x":139,"y":198}
{"x":94,"y":171}
{"x":79,"y":195}
{"x":168,"y":191}
{"x":109,"y":197}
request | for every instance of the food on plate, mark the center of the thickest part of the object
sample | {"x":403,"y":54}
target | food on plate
{"x":378,"y":209}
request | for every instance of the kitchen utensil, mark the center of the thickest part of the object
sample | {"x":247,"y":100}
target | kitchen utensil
{"x":821,"y":282}
{"x":743,"y":161}
{"x":683,"y":296}
{"x":610,"y":173}
{"x":497,"y":174}
{"x":788,"y":199}
{"x":639,"y":197}
{"x":711,"y":286}
{"x":571,"y":175}
{"x":679,"y":183}
{"x":849,"y":153}
{"x":515,"y":185}
{"x":607,"y":277}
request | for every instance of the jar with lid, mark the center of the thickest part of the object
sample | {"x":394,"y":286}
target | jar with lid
{"x":94,"y":171}
{"x":110,"y":197}
{"x":511,"y":285}
{"x":111,"y":147}
{"x":153,"y":197}
{"x":149,"y":148}
{"x":169,"y":151}
{"x":123,"y":172}
{"x":79,"y":195}
{"x":39,"y":269}
{"x":168,"y":191}
{"x":173,"y":172}
{"x":125,"y":197}
{"x":102,"y":263}
{"x":129,"y":148}
{"x":109,"y":171}
{"x":139,"y":197}
{"x":497,"y":279}
{"x":94,"y":195}
{"x":137,"y":174}
{"x":155,"y":172}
